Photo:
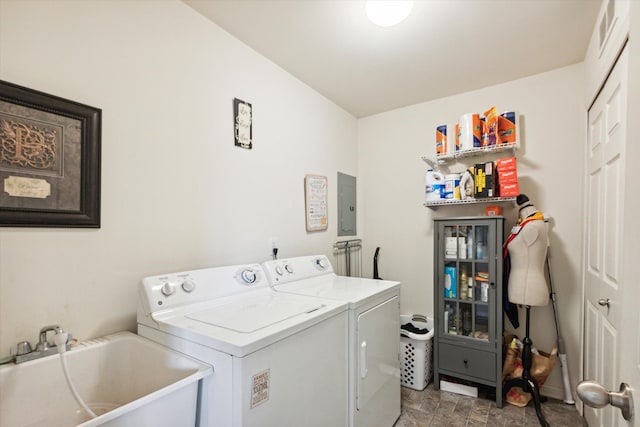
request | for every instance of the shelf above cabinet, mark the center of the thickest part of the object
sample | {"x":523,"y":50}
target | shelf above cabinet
{"x":479,"y":151}
{"x":448,"y":202}
{"x":435,"y":162}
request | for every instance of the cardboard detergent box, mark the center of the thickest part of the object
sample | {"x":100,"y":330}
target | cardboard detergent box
{"x":508,"y":128}
{"x":509,"y":189}
{"x":507,"y":175}
{"x":485,"y":180}
{"x":506,"y":164}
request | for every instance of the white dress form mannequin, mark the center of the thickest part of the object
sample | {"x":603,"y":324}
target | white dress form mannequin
{"x":528,"y":254}
{"x":528,"y":286}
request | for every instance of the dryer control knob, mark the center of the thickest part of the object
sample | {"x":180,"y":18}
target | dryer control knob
{"x":321,"y":263}
{"x":167,"y":289}
{"x":248,"y":276}
{"x":289,"y":268}
{"x":279,"y":270}
{"x":188,"y":285}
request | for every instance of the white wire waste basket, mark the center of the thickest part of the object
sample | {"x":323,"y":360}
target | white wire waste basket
{"x":416,"y":352}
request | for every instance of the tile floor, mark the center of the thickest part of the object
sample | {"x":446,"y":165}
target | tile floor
{"x":431,"y":408}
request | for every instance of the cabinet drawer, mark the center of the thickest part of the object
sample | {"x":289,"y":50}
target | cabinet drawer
{"x":468,"y":361}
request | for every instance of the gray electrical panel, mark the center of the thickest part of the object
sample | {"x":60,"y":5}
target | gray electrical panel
{"x":346,"y":205}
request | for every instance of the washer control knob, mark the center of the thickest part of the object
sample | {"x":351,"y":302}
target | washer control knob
{"x":167,"y":289}
{"x":321,"y":263}
{"x":289,"y":268}
{"x":188,"y":285}
{"x":279,"y":270}
{"x":248,"y":276}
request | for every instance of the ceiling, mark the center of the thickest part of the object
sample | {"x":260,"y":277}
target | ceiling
{"x":444,"y":47}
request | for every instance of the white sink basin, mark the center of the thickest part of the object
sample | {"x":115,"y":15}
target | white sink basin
{"x":125,"y":379}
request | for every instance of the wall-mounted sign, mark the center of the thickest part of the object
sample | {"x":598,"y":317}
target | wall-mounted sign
{"x":315,"y":197}
{"x":242,"y":123}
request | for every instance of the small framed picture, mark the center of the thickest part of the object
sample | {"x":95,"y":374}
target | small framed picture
{"x":242,"y":124}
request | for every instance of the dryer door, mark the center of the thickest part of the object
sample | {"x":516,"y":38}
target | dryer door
{"x":378,"y":364}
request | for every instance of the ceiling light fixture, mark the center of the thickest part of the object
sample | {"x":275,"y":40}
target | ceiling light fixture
{"x":387,"y":13}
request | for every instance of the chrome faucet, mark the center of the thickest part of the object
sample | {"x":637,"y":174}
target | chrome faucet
{"x":43,"y":344}
{"x":43,"y":348}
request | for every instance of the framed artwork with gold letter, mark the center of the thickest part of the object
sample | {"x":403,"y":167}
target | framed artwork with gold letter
{"x":49,"y":160}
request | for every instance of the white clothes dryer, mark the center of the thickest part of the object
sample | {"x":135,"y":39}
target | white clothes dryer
{"x":374,"y":332}
{"x":278,"y":359}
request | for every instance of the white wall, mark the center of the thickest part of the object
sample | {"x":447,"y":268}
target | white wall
{"x":176,"y":193}
{"x":550,"y":167}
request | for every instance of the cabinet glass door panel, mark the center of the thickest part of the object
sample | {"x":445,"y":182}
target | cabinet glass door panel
{"x":466,"y":314}
{"x":480,"y":241}
{"x":451,"y":319}
{"x":450,"y":280}
{"x":465,"y":280}
{"x":458,"y":242}
{"x":481,"y":280}
{"x":481,"y":322}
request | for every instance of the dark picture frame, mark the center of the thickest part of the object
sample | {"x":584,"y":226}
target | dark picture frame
{"x":242,"y":124}
{"x":50,"y":160}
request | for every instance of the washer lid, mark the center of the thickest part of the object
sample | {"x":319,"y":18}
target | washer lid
{"x":354,"y":290}
{"x":254,"y":314}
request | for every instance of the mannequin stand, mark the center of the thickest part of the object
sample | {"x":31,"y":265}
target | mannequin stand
{"x":527,"y":383}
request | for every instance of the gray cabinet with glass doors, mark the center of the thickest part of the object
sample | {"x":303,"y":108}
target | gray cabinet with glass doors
{"x":468,"y":298}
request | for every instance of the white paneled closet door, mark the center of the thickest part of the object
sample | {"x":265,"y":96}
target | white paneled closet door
{"x":605,"y":285}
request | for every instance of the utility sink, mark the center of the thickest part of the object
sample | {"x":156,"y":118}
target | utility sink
{"x":125,"y":379}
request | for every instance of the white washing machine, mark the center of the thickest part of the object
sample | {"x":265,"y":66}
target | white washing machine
{"x":374,"y":332}
{"x":278,"y":359}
